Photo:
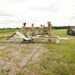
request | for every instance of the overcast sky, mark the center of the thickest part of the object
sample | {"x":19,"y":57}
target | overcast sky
{"x":14,"y":12}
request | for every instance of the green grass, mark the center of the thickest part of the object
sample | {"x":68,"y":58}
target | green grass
{"x":60,"y":59}
{"x":6,"y":32}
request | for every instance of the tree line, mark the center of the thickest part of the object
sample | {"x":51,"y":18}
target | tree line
{"x":54,"y":27}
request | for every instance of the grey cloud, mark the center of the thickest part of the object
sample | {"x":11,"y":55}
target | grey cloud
{"x":6,"y":15}
{"x":14,"y":1}
{"x":12,"y":21}
{"x":73,"y":17}
{"x":45,"y":9}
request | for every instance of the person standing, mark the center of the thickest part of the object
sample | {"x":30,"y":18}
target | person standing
{"x":49,"y":28}
{"x":41,"y":30}
{"x":32,"y":30}
{"x":24,"y":29}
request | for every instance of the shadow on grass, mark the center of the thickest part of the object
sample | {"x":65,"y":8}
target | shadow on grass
{"x":20,"y":42}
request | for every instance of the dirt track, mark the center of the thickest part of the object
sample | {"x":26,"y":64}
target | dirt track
{"x":14,"y":56}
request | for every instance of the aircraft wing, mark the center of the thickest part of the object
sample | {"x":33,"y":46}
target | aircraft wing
{"x":23,"y":37}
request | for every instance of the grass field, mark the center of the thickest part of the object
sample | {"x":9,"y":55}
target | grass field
{"x":59,"y":59}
